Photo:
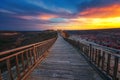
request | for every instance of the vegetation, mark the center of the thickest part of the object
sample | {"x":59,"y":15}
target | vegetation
{"x":108,"y":37}
{"x":23,"y":38}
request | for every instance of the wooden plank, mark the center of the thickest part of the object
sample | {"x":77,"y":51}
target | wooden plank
{"x":64,"y":62}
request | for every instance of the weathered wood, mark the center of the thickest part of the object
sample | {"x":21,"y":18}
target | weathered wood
{"x":108,"y":63}
{"x":23,"y":63}
{"x":9,"y":69}
{"x":20,"y":58}
{"x":115,"y":68}
{"x":17,"y":67}
{"x":63,"y":63}
{"x":103,"y":60}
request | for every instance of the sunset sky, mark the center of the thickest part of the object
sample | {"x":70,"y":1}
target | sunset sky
{"x":59,"y":14}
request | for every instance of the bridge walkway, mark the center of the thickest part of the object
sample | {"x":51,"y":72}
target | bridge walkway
{"x":64,"y":63}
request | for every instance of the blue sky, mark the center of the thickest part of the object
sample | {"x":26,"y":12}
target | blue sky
{"x":48,"y":14}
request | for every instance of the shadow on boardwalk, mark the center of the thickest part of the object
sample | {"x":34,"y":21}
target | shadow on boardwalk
{"x":63,"y":63}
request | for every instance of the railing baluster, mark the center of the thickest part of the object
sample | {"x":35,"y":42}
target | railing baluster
{"x":31,"y":57}
{"x":108,"y":63}
{"x":27,"y":59}
{"x":23,"y":64}
{"x":97,"y":62}
{"x":34,"y":52}
{"x":90,"y":51}
{"x":9,"y":69}
{"x":93,"y":54}
{"x":103,"y":60}
{"x":38,"y":51}
{"x":96,"y":56}
{"x":116,"y":61}
{"x":99,"y":58}
{"x":17,"y":67}
{"x":87,"y":50}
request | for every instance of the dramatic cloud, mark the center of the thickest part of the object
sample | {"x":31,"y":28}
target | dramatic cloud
{"x":96,"y":3}
{"x":108,"y":11}
{"x":59,"y":14}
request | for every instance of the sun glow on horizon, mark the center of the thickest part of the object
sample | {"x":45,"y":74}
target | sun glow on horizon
{"x":91,"y":18}
{"x":95,"y":18}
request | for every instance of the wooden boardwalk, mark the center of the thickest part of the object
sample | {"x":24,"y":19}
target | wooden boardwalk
{"x":64,"y":63}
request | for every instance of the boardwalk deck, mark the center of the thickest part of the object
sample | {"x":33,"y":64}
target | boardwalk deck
{"x":63,"y":63}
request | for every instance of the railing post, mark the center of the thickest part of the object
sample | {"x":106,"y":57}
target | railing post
{"x":31,"y":57}
{"x":116,"y":61}
{"x":9,"y":69}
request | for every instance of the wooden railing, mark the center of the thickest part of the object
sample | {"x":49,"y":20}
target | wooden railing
{"x":106,"y":61}
{"x":16,"y":64}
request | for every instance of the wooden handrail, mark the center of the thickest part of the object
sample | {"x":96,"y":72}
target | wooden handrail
{"x":17,"y":63}
{"x":106,"y":61}
{"x":23,"y":47}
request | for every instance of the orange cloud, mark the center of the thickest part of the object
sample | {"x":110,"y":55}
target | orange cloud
{"x":47,"y":16}
{"x":39,"y":17}
{"x":103,"y":12}
{"x":96,"y":18}
{"x":93,"y":18}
